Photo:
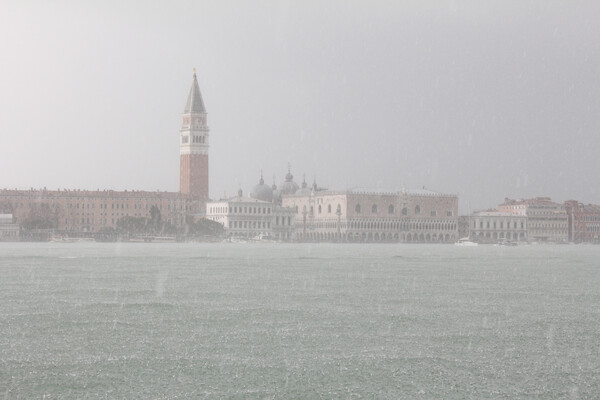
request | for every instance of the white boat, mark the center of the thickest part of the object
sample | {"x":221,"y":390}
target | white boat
{"x":66,"y":239}
{"x":264,"y":238}
{"x":153,"y":239}
{"x":235,"y":239}
{"x":465,"y":242}
{"x":163,"y":239}
{"x":504,"y":242}
{"x":62,"y":239}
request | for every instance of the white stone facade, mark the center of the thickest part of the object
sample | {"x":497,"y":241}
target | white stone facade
{"x":494,"y":226}
{"x":245,"y":217}
{"x":9,"y":231}
{"x":356,"y":216}
{"x":547,"y":221}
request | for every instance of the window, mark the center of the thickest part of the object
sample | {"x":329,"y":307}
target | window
{"x":405,"y":211}
{"x":184,"y":139}
{"x":391,"y":209}
{"x":329,"y":208}
{"x":357,"y":208}
{"x":418,"y":210}
{"x":374,"y":208}
{"x":319,"y":209}
{"x":433,"y":213}
{"x":449,"y":213}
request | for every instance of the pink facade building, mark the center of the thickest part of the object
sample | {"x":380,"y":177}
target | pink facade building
{"x":546,"y":220}
{"x":584,"y":222}
{"x":357,"y":216}
{"x":100,"y":210}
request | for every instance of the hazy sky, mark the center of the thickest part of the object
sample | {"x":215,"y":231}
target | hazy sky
{"x":484,"y":99}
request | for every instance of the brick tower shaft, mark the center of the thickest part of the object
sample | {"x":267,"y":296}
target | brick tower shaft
{"x":193,"y":146}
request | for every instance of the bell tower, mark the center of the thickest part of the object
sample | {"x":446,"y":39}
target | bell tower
{"x":193,"y":146}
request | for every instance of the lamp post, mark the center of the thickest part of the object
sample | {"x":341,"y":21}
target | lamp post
{"x":304,"y":212}
{"x":338,"y":212}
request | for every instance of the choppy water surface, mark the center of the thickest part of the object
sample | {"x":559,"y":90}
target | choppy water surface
{"x":298,"y":321}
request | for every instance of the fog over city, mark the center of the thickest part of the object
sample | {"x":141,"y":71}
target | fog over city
{"x":485,"y":99}
{"x":134,"y":267}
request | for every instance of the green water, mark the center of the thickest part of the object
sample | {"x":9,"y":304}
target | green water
{"x":245,"y":321}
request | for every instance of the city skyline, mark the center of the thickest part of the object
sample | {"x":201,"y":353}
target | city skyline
{"x":487,"y":101}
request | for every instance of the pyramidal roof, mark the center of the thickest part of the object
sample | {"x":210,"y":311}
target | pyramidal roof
{"x":194,"y":103}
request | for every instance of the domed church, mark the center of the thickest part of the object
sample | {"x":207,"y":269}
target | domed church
{"x":261,"y":191}
{"x":257,"y":216}
{"x":264,"y":192}
{"x":289,"y":186}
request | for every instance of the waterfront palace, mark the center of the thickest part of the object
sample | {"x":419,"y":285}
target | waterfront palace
{"x":315,"y":214}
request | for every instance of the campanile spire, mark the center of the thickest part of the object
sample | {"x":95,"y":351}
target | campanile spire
{"x":193,"y":145}
{"x":194,"y":103}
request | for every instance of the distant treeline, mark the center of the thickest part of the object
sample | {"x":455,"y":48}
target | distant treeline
{"x":47,"y":219}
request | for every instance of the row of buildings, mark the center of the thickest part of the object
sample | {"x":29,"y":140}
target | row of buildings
{"x":317,"y":214}
{"x":534,"y":220}
{"x":290,"y":212}
{"x":95,"y":212}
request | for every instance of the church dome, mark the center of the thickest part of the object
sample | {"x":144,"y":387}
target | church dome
{"x":261,"y":191}
{"x":305,"y":191}
{"x":289,"y":186}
